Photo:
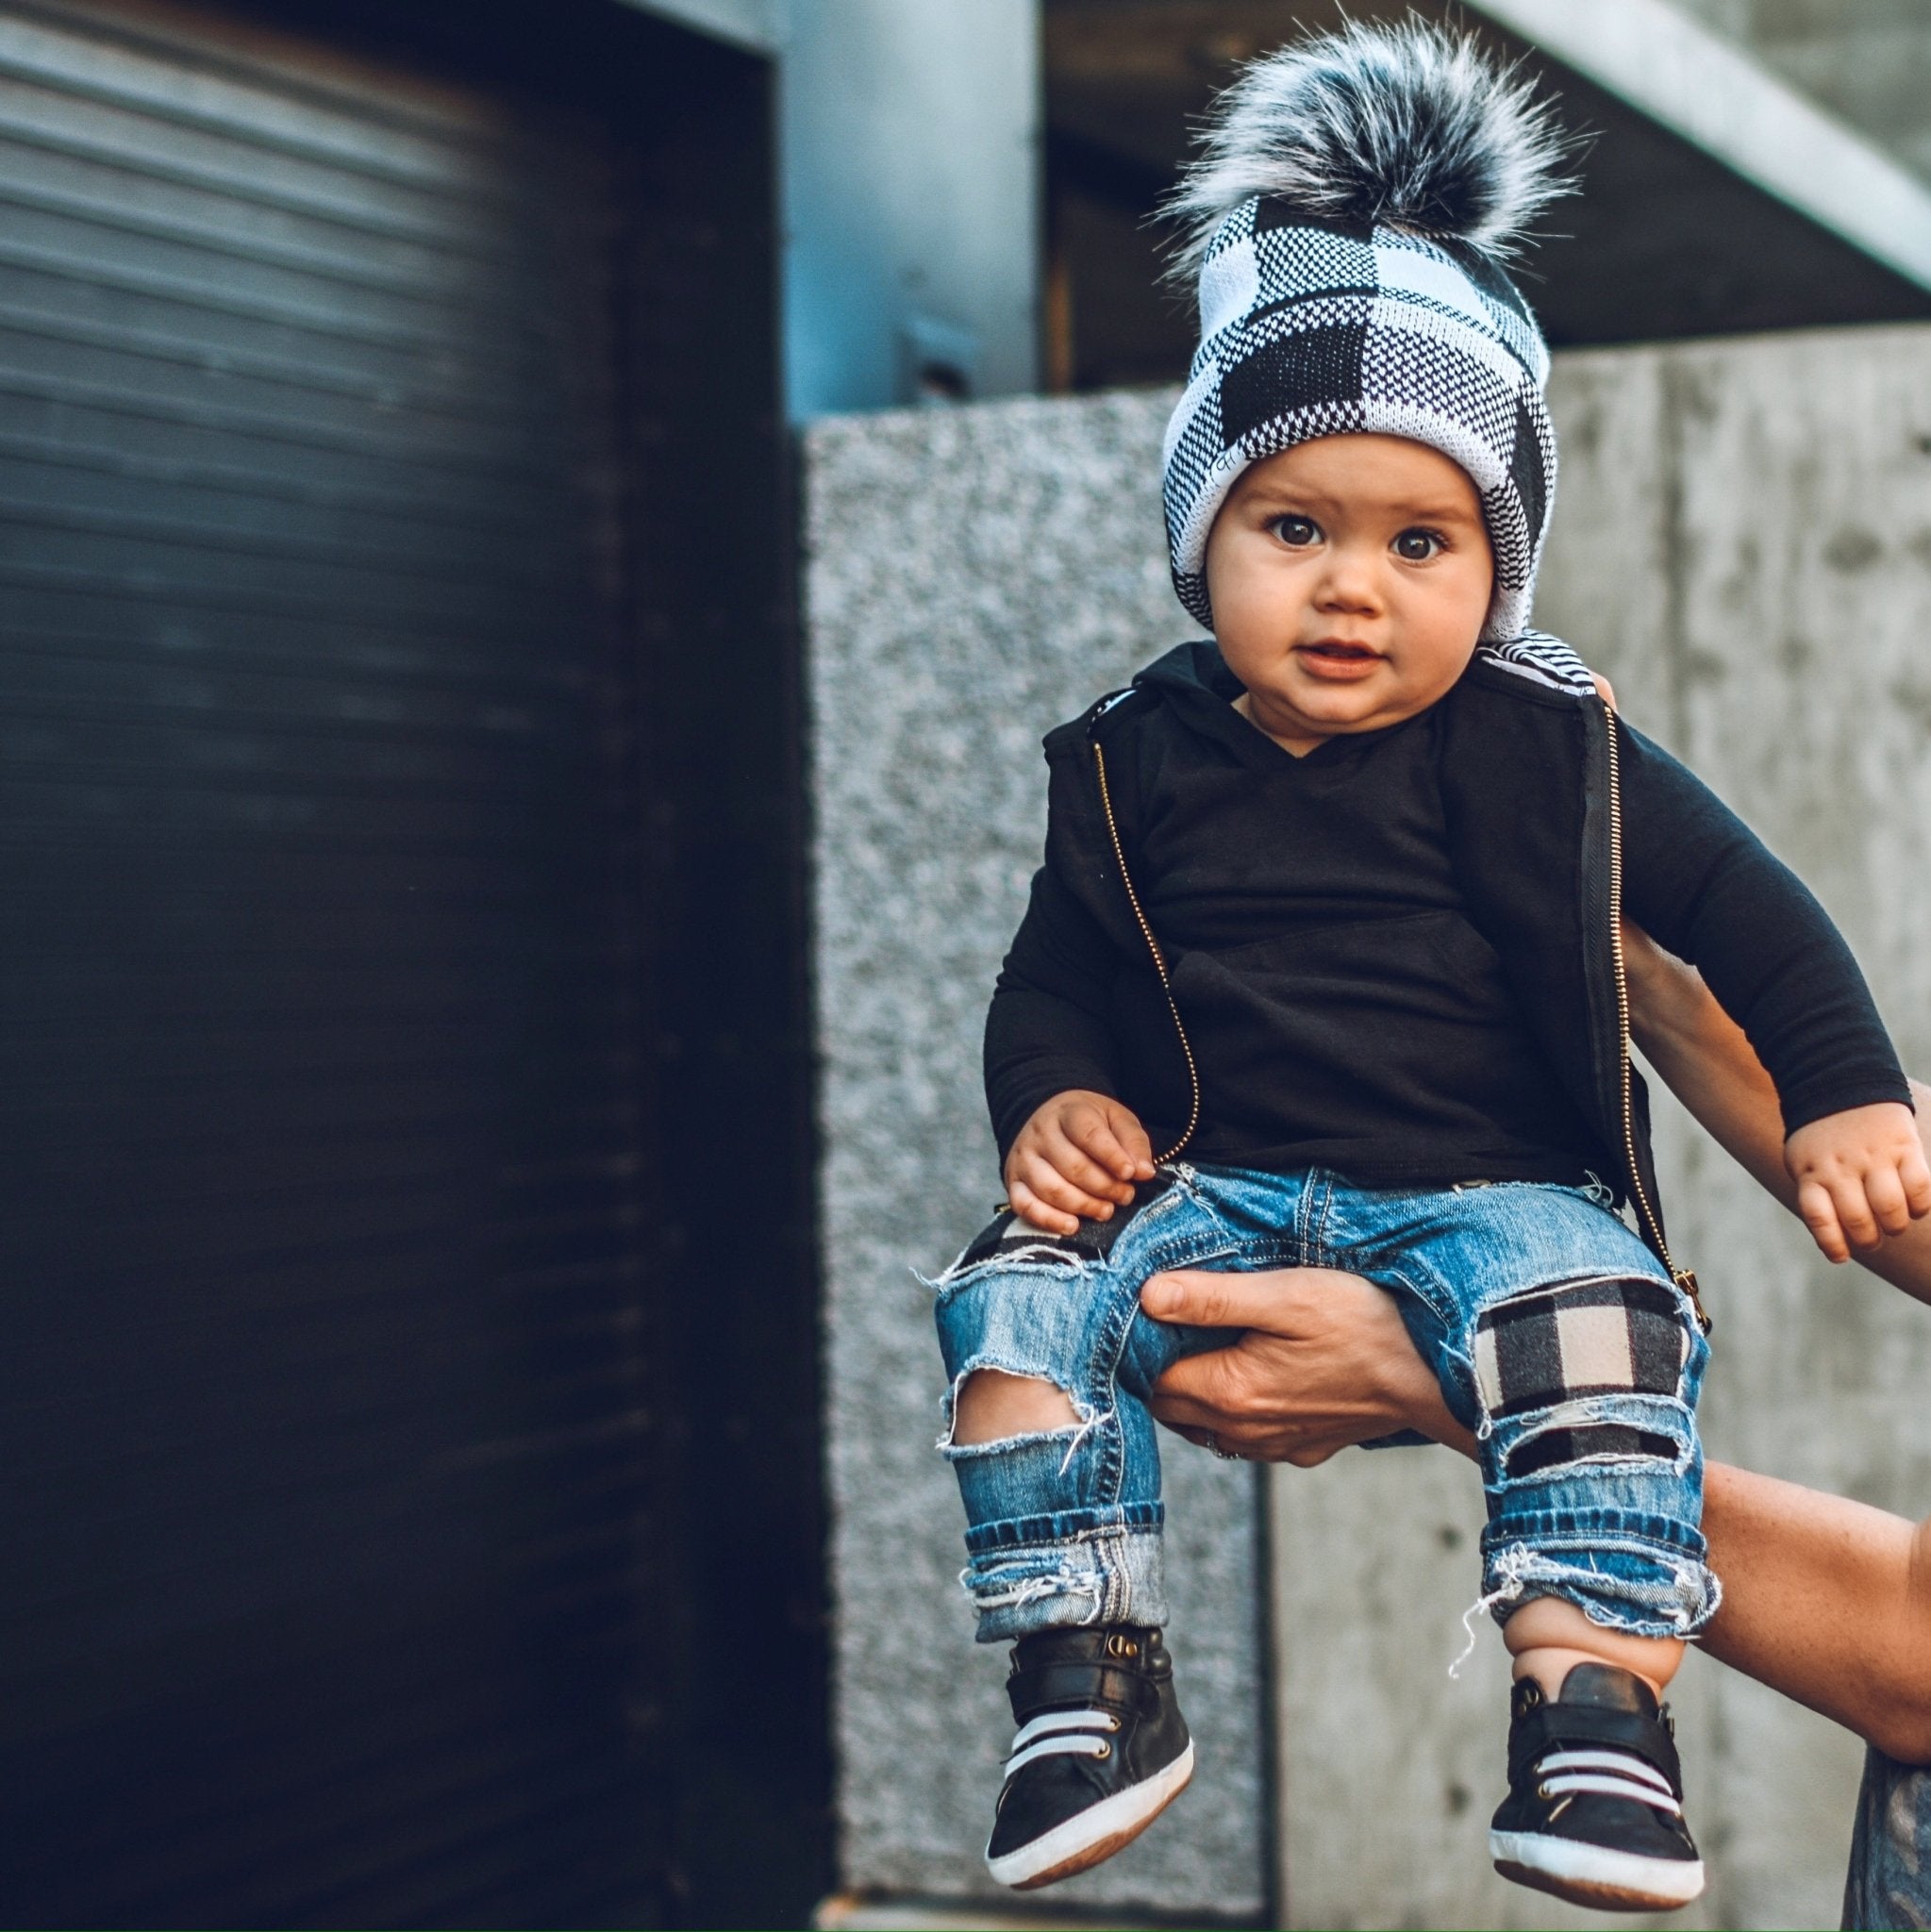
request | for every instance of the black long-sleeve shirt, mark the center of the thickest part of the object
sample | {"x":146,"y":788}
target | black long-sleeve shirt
{"x":1344,"y":1008}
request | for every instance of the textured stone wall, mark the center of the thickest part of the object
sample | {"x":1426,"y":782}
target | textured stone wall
{"x":973,"y":578}
{"x":1744,"y":544}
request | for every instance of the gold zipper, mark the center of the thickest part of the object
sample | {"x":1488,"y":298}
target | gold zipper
{"x":1159,"y":960}
{"x":1685,"y":1278}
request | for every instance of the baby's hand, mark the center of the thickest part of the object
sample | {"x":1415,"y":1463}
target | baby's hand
{"x":1078,"y":1156}
{"x":1860,"y":1175}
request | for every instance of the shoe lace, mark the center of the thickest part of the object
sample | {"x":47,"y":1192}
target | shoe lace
{"x":1061,"y":1732}
{"x":1610,"y":1774}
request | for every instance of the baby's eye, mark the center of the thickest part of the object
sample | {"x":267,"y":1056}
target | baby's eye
{"x":1297,"y":532}
{"x":1417,"y":546}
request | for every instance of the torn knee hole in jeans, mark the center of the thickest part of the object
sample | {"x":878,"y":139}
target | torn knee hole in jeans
{"x":1572,"y":1433}
{"x":1071,"y":1433}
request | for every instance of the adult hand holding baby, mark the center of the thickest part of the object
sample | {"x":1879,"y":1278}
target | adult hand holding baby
{"x":1324,"y":1362}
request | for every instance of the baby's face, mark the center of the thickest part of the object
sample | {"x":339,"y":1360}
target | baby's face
{"x":1350,"y":579}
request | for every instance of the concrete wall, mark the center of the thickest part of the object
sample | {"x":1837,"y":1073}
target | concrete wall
{"x":1744,"y":544}
{"x":1870,"y":63}
{"x":910,"y":134}
{"x":910,"y":155}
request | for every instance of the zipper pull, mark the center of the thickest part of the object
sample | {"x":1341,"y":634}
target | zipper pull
{"x":1685,"y":1278}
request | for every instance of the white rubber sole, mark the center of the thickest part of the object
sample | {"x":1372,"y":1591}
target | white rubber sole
{"x":1595,"y":1876}
{"x":1082,"y":1842}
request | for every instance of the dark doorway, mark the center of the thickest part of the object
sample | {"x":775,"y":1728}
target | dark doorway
{"x":411,"y":1506}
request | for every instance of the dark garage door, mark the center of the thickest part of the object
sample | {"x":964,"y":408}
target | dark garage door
{"x":338,"y":1509}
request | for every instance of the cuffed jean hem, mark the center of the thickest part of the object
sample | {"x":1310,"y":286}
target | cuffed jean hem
{"x":1641,"y":1576}
{"x":1048,"y":1573}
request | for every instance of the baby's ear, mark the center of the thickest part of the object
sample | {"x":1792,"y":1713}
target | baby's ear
{"x":1604,"y":690}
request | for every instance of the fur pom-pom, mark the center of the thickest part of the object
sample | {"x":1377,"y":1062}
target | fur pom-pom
{"x":1412,"y":126}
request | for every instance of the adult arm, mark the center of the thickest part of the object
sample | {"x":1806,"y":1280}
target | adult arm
{"x":1707,"y":1061}
{"x":1824,"y":1600}
{"x":1703,"y":884}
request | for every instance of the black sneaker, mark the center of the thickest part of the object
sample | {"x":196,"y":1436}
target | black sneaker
{"x":1102,"y":1751}
{"x":1594,"y":1811}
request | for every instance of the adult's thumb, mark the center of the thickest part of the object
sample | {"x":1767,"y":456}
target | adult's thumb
{"x":1201,"y":1300}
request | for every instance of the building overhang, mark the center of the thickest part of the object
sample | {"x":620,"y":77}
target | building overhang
{"x":1687,"y":79}
{"x":757,"y":26}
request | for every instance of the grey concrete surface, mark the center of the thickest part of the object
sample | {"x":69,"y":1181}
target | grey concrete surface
{"x":1870,"y":63}
{"x":1742,"y":542}
{"x":909,"y":143}
{"x":972,"y":579}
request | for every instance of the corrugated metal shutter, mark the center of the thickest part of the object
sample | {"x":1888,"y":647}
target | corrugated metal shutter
{"x":326,"y":1467}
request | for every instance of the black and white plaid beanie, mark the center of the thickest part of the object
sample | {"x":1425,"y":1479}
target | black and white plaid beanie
{"x":1346,"y":220}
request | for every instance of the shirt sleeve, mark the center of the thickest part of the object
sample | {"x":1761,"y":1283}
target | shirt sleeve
{"x":1048,"y":1029}
{"x":1699,"y":881}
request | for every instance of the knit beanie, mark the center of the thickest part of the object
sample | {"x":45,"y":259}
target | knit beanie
{"x":1346,"y":221}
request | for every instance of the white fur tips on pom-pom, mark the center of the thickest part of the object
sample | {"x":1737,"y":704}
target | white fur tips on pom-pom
{"x":1411,"y":126}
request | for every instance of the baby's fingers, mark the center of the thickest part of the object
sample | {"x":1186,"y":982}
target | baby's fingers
{"x":1072,"y":1159}
{"x":1132,"y":1138}
{"x":1045,"y":1177}
{"x":1916,"y":1176}
{"x":1036,"y":1213}
{"x":1854,"y":1212}
{"x":1884,"y":1189}
{"x":1093,"y":1134}
{"x":1820,"y":1216}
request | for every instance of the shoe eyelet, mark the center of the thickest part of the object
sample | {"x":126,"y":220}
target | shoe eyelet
{"x":1105,"y":1751}
{"x":1543,"y":1793}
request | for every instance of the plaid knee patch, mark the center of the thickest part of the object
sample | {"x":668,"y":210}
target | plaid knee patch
{"x":1618,"y":1336}
{"x":1008,"y":1234}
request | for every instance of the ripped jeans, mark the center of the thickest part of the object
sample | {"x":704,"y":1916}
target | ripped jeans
{"x":1555,"y":1336}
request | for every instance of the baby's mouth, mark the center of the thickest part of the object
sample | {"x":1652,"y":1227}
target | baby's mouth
{"x":1340,"y":657}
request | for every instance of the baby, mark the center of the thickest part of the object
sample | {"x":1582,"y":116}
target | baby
{"x":1331,"y":904}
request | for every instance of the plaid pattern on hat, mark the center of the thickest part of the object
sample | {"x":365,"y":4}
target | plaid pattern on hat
{"x":1312,"y":328}
{"x":1620,"y":1336}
